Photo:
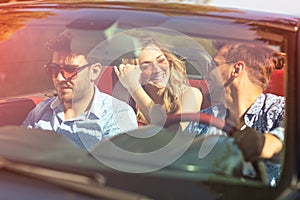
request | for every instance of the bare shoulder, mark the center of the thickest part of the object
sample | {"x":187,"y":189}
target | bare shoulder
{"x":192,"y":92}
{"x":192,"y":97}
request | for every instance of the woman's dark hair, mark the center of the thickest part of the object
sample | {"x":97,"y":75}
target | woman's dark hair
{"x":61,"y":43}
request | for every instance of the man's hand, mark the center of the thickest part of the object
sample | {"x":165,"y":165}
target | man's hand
{"x":251,"y":143}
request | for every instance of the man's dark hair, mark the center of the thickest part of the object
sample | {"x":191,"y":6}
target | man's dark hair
{"x":61,"y":43}
{"x":261,"y":60}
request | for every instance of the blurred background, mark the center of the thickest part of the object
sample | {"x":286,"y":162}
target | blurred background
{"x":279,"y":6}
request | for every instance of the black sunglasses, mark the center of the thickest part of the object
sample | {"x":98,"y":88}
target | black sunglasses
{"x":67,"y":71}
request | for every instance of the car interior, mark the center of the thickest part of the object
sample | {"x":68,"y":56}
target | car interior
{"x":25,"y":83}
{"x":20,"y":107}
{"x":108,"y":81}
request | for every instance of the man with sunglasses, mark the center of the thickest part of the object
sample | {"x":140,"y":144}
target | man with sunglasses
{"x":79,"y":111}
{"x":240,"y":73}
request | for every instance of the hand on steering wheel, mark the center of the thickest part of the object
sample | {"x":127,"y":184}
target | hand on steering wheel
{"x":249,"y":141}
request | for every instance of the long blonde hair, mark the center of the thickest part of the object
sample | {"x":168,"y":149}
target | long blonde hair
{"x":171,"y":94}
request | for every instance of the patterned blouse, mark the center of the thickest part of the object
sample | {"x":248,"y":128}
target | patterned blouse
{"x":265,"y":115}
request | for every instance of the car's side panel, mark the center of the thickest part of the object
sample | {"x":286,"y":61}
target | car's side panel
{"x":15,"y":110}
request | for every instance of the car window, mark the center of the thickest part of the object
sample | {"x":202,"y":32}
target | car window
{"x":107,"y":36}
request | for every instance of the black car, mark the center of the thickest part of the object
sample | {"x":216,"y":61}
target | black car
{"x":165,"y":163}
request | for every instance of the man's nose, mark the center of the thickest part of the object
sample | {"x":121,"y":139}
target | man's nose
{"x":60,"y":77}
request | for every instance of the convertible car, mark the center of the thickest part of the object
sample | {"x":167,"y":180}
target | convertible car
{"x":154,"y":161}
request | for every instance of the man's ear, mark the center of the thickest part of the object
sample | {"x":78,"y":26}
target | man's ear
{"x":95,"y":71}
{"x":238,"y":68}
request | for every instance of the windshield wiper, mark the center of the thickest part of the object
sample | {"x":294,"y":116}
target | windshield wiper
{"x":94,"y":186}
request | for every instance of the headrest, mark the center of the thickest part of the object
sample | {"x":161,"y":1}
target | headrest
{"x":276,"y":84}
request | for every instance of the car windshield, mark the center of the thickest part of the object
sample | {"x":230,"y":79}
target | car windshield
{"x":183,"y":63}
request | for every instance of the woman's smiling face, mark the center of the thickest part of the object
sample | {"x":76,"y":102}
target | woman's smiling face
{"x":154,"y":66}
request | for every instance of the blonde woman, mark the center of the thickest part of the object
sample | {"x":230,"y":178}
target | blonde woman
{"x":157,"y":76}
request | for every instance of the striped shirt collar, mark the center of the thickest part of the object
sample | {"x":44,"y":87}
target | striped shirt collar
{"x":95,"y":110}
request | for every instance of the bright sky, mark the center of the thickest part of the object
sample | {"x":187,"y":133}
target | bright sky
{"x":278,"y":6}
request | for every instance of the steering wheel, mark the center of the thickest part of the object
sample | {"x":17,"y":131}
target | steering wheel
{"x":218,"y":123}
{"x":201,"y":118}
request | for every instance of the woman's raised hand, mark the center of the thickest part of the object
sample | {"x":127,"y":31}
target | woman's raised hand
{"x":129,"y":76}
